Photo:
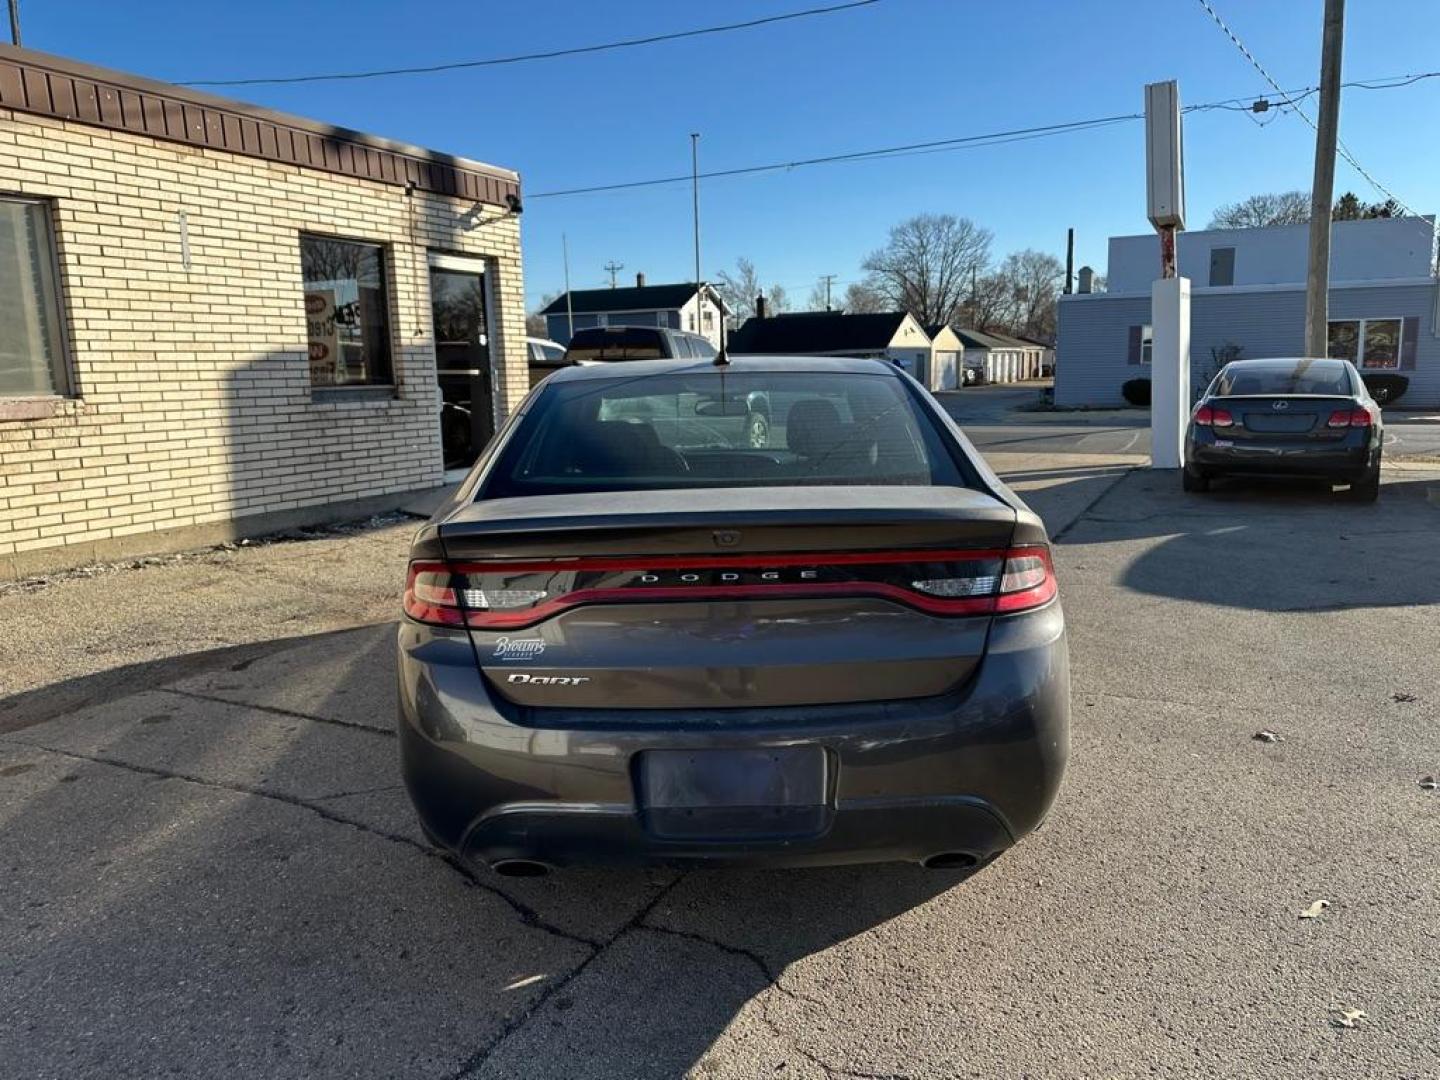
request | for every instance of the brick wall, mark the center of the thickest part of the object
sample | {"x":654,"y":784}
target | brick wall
{"x":192,"y":400}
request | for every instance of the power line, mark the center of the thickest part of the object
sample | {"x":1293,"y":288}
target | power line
{"x":1344,"y":150}
{"x":857,"y":155}
{"x":994,"y":138}
{"x":628,"y":43}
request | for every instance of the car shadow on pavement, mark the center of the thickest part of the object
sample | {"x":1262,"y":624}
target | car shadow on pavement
{"x":231,"y":876}
{"x":1272,"y":545}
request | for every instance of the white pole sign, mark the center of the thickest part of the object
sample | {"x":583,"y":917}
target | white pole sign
{"x":1170,"y":294}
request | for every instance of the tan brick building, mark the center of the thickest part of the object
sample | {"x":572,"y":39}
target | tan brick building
{"x":217,"y":320}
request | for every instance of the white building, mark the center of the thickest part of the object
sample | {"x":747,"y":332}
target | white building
{"x":1248,"y":301}
{"x":679,"y":307}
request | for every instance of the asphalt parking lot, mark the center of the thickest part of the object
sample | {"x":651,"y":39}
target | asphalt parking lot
{"x":208,"y":866}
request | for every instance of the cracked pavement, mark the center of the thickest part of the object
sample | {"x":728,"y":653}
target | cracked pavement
{"x":208,"y":866}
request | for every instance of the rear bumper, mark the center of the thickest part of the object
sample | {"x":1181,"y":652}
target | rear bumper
{"x":1346,"y":459}
{"x":970,"y":771}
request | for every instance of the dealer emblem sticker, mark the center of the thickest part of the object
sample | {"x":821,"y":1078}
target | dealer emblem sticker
{"x":507,"y":648}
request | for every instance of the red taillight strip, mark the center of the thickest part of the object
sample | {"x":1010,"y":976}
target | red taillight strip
{"x":935,"y":605}
{"x":715,"y":562}
{"x":510,"y":620}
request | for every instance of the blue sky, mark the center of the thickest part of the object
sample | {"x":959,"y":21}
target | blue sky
{"x":900,"y":71}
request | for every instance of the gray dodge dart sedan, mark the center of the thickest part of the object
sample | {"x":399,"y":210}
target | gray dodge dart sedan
{"x":632,"y":635}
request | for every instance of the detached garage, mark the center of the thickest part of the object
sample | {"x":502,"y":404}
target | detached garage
{"x":946,"y":357}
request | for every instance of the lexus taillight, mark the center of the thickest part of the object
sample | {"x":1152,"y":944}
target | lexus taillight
{"x":1210,"y":416}
{"x":1341,"y":418}
{"x":505,"y":595}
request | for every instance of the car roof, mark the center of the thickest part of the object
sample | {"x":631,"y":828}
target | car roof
{"x":630,"y":369}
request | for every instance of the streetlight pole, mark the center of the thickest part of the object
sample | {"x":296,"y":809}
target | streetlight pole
{"x":15,"y":21}
{"x":1322,"y":192}
{"x":695,"y":207}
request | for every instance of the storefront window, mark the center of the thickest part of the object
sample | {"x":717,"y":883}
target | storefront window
{"x":347,"y":311}
{"x":1367,"y":343}
{"x":32,"y":354}
{"x":1345,"y":340}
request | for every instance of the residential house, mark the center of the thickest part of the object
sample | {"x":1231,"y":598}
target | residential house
{"x":947,"y":354}
{"x":890,"y":335}
{"x":1248,"y":300}
{"x":679,"y":307}
{"x":219,"y":320}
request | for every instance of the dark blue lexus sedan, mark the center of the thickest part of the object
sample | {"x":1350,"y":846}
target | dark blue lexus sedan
{"x":1287,"y":418}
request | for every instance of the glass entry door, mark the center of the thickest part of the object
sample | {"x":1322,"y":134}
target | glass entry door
{"x":458,"y":302}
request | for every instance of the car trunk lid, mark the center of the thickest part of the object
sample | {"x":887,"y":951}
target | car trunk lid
{"x":1277,"y":418}
{"x":730,"y":597}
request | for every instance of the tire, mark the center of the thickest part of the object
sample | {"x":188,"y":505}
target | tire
{"x":1366,"y":490}
{"x":1194,"y":481}
{"x":757,"y":431}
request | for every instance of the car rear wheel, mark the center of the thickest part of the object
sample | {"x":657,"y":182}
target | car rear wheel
{"x":1194,"y":481}
{"x":1368,"y":489}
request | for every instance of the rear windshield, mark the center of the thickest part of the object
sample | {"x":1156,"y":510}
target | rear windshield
{"x":713,"y":429}
{"x":1300,"y":377}
{"x":616,"y":343}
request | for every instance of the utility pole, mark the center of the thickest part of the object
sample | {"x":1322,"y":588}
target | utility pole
{"x":1322,"y":192}
{"x":613,"y":268}
{"x":15,"y":21}
{"x":974,"y":297}
{"x":569,"y":304}
{"x":828,"y":279}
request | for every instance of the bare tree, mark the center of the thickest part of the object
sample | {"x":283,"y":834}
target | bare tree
{"x":925,"y":267}
{"x":1270,"y":208}
{"x":861,"y":299}
{"x":991,"y":304}
{"x":740,"y":289}
{"x":1018,"y":297}
{"x":816,"y":300}
{"x":1035,"y":278}
{"x":535,"y":325}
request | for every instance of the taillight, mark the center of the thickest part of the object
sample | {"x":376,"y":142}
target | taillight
{"x":1341,"y":418}
{"x":507,"y":595}
{"x":1029,"y":580}
{"x":1210,"y":416}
